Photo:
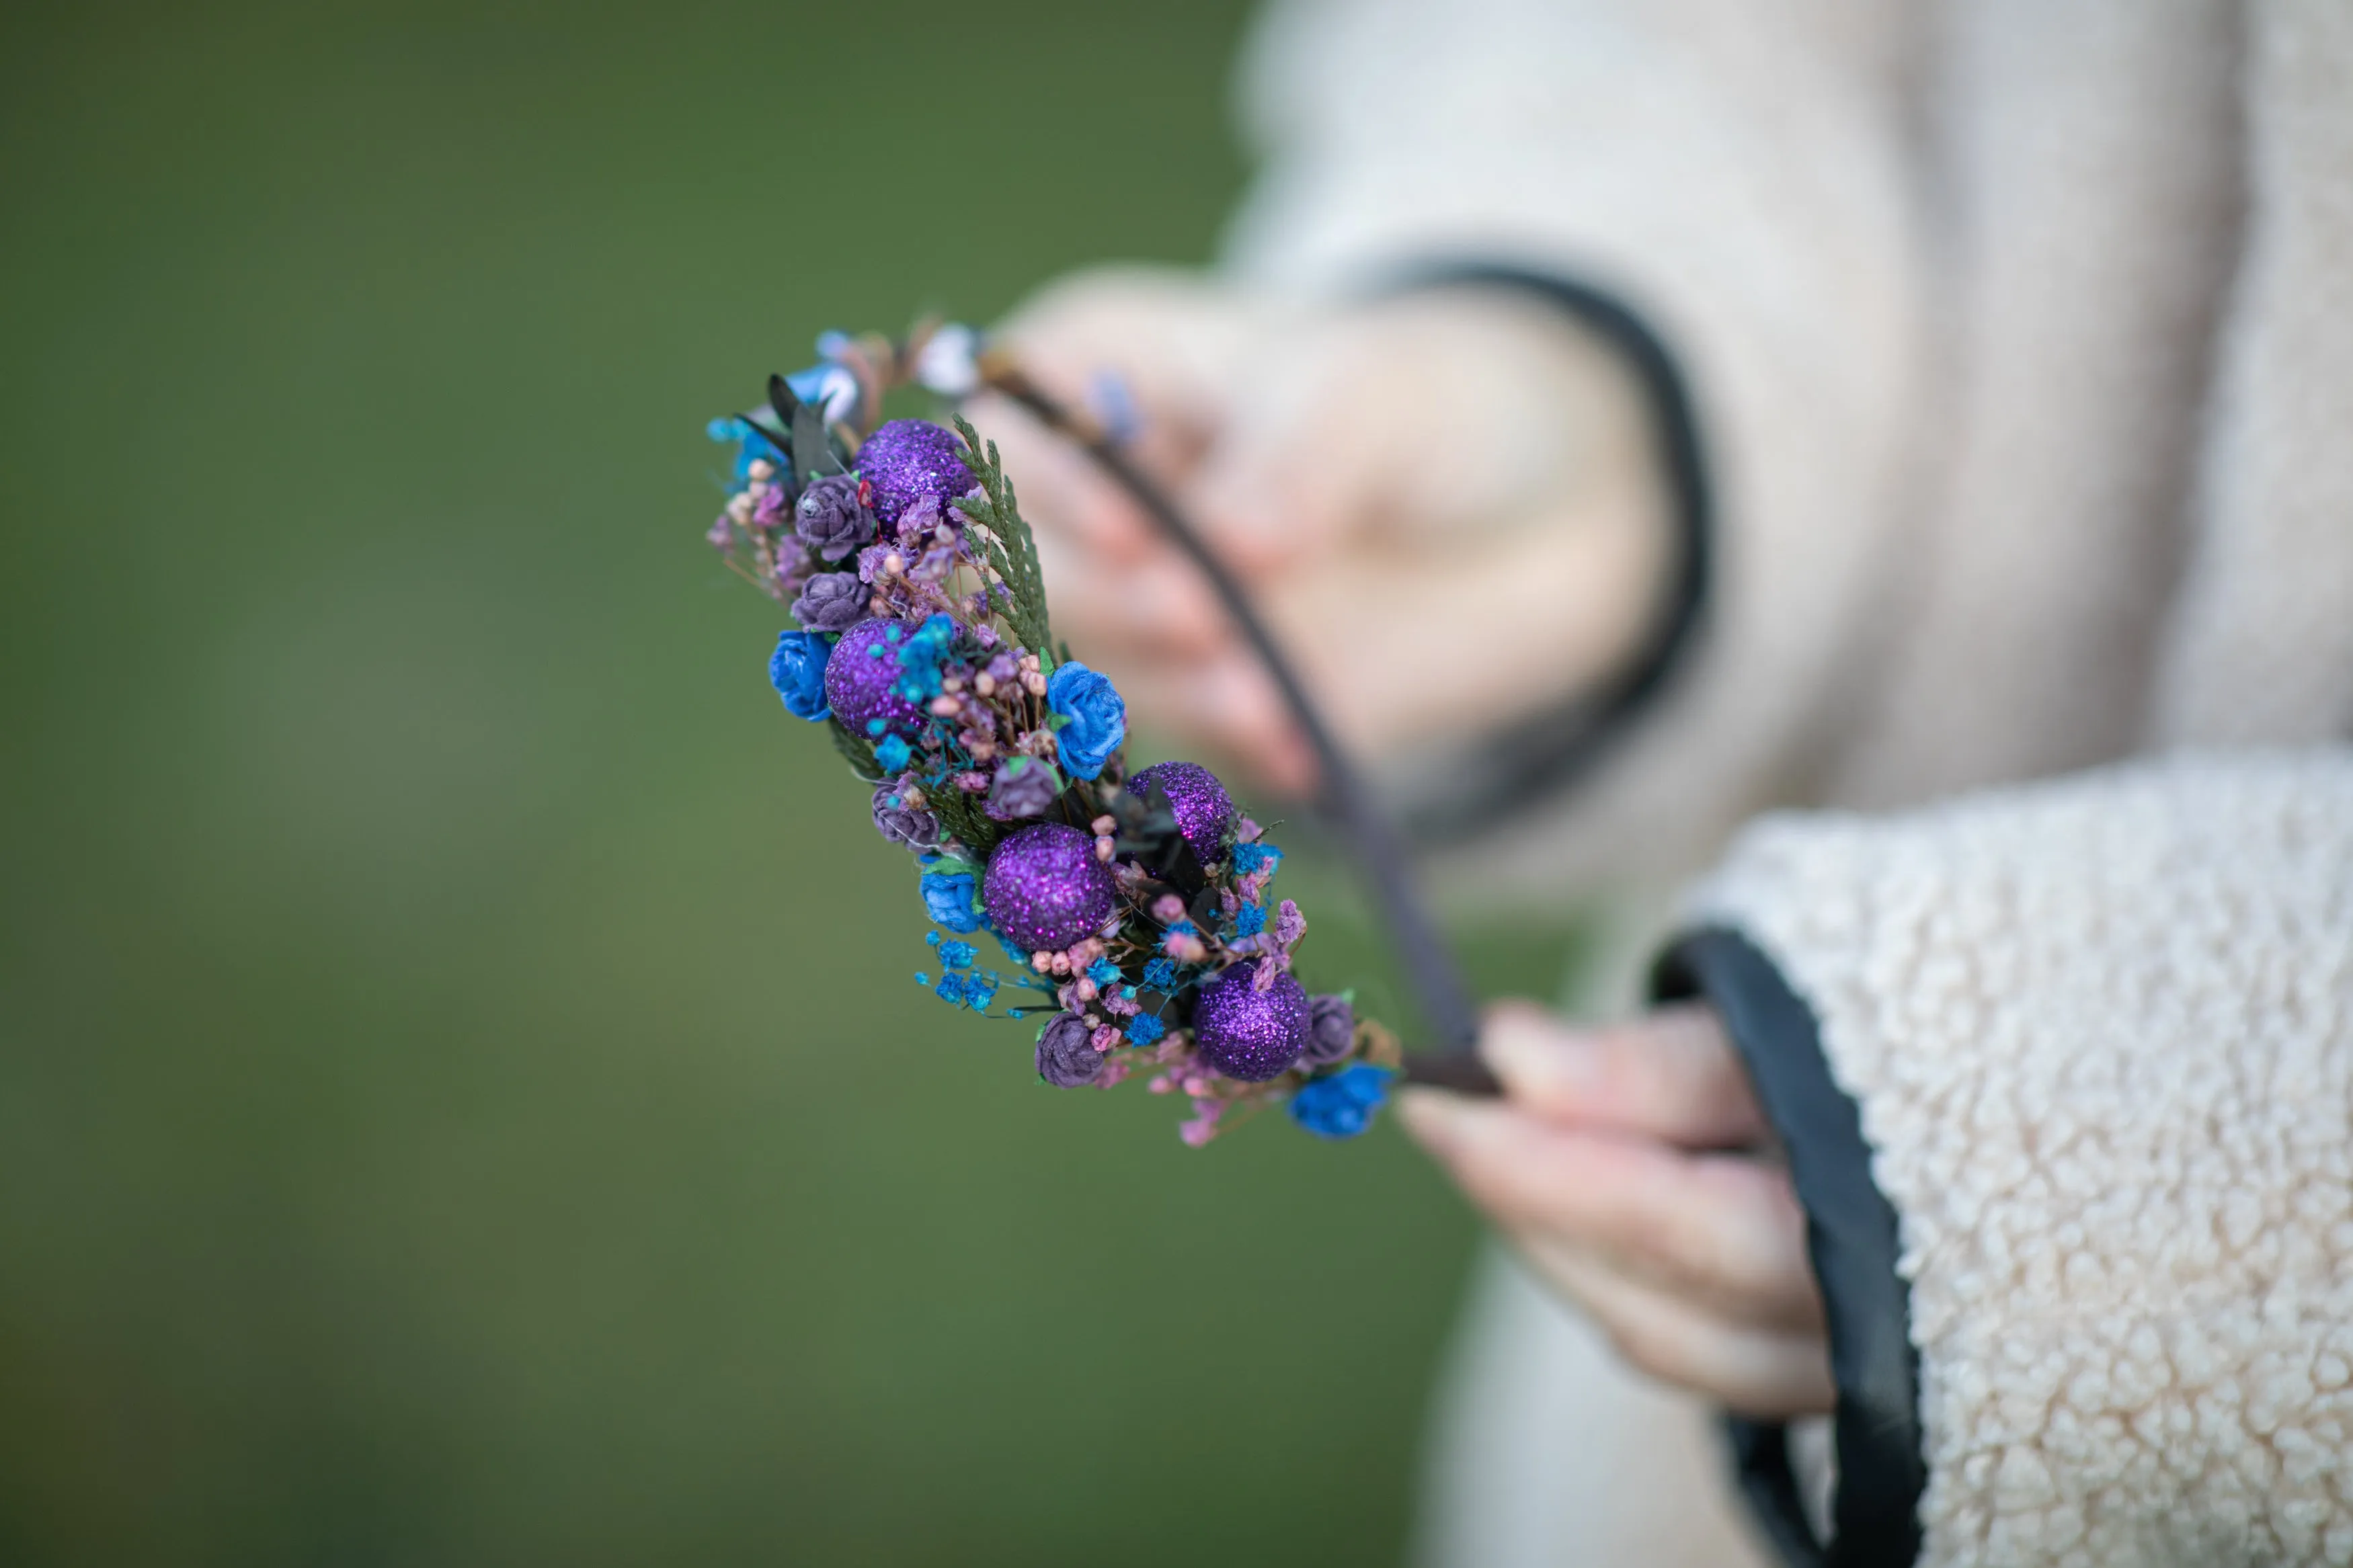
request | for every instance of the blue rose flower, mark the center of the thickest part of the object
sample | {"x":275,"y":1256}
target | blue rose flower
{"x":796,"y":669}
{"x":1097,"y":719}
{"x":948,"y":897}
{"x":1341,"y":1106}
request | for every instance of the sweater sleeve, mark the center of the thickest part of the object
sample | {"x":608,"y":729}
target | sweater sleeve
{"x":2065,"y":1076}
{"x":1737,"y":174}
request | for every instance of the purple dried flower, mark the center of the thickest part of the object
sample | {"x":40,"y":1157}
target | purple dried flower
{"x":832,"y":601}
{"x":768,"y":512}
{"x":919,"y":524}
{"x":1289,"y":925}
{"x":1024,"y":786}
{"x":722,"y":535}
{"x":831,"y":519}
{"x":1067,"y":1057}
{"x":792,"y":565}
{"x":897,"y":818}
{"x":1330,"y":1030}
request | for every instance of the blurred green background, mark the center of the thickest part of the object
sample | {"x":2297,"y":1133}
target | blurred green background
{"x":463,"y":1096}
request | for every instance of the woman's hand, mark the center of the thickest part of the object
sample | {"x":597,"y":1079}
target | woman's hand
{"x":1446,"y":503}
{"x":1607,"y":1166}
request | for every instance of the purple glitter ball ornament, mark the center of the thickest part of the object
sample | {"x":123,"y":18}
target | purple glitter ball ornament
{"x":909,"y":460}
{"x":1045,"y":890}
{"x":1205,"y":813}
{"x":1249,"y":1034}
{"x":857,"y":680}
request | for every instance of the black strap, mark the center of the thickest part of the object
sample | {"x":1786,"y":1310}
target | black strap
{"x":1851,"y":1238}
{"x":1525,"y":762}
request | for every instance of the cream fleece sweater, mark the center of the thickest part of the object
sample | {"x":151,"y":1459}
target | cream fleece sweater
{"x":2023,"y":336}
{"x":2101,"y":1034}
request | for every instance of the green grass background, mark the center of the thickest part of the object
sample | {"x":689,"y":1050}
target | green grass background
{"x":462,"y":1095}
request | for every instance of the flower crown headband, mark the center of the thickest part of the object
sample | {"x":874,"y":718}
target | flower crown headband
{"x":1133,"y":910}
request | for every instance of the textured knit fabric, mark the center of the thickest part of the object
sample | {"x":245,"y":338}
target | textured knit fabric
{"x":2101,"y":1032}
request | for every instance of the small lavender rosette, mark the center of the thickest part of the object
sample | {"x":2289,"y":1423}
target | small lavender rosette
{"x":1132,"y":913}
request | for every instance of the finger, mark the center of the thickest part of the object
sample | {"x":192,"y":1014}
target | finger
{"x":1282,"y":491}
{"x":1060,"y":488}
{"x":1724,"y":1231}
{"x":1154,"y":605}
{"x":1669,"y":1074}
{"x":1406,"y":644}
{"x":1172,"y":340}
{"x":1167,"y":440}
{"x":1760,"y":1372}
{"x":1168,"y":339}
{"x":1425,"y":416}
{"x":1236,"y":704}
{"x":1229,"y":706}
{"x":1314,"y":457}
